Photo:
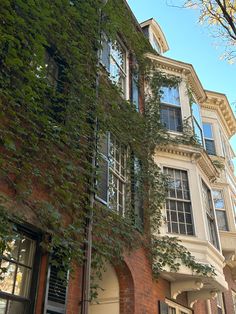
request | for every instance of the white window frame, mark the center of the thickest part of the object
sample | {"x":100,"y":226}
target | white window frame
{"x":171,"y":105}
{"x":210,"y":215}
{"x":123,"y":70}
{"x":179,"y":309}
{"x":221,"y":209}
{"x":182,"y":201}
{"x":234,"y":300}
{"x":212,"y":139}
{"x":220,"y":302}
{"x":116,"y":174}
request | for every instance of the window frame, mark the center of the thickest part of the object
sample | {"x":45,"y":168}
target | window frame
{"x":179,"y":309}
{"x":175,"y":107}
{"x":221,"y":191}
{"x":180,"y":201}
{"x":210,"y":215}
{"x":113,"y":173}
{"x":211,"y":139}
{"x":220,"y":303}
{"x":107,"y":45}
{"x":34,"y":234}
{"x":234,"y":300}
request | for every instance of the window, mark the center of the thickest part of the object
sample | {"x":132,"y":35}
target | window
{"x":220,"y":209}
{"x":136,"y":192}
{"x":155,"y":44}
{"x":197,"y":122}
{"x":175,"y":308}
{"x":234,"y":300}
{"x":220,"y":303}
{"x":17,"y":284}
{"x":113,"y":57}
{"x":178,"y":203}
{"x":209,"y":139}
{"x":112,"y":173}
{"x":135,"y":91}
{"x":207,"y":202}
{"x":170,"y":110}
{"x":52,"y":69}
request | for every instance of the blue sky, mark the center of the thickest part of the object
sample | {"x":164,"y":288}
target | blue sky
{"x":192,"y":43}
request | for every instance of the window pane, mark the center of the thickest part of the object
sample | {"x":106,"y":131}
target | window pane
{"x":207,"y":130}
{"x":171,"y":118}
{"x":3,"y":306}
{"x":7,"y":283}
{"x":198,"y":132}
{"x":135,"y":92}
{"x":210,"y":147}
{"x":222,"y":220}
{"x":170,"y":95}
{"x":218,"y":199}
{"x":27,"y":250}
{"x":15,"y":307}
{"x":196,"y":113}
{"x":22,"y":283}
{"x":13,"y":251}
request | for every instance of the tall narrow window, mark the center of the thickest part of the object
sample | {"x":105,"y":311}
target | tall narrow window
{"x":170,"y":109}
{"x":207,"y":201}
{"x":17,"y":284}
{"x":234,"y":300}
{"x":220,"y":210}
{"x":111,"y":185}
{"x":220,"y":303}
{"x":197,"y":122}
{"x":209,"y":139}
{"x":178,"y":203}
{"x":135,"y":91}
{"x":113,"y":57}
{"x":52,"y":69}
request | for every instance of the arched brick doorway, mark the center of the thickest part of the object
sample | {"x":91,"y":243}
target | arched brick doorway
{"x":117,"y":293}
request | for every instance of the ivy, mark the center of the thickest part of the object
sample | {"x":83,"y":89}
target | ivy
{"x":46,"y":130}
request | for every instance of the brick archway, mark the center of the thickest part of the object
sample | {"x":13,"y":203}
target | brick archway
{"x":126,"y":285}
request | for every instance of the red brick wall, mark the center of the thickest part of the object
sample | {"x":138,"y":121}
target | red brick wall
{"x":228,"y":294}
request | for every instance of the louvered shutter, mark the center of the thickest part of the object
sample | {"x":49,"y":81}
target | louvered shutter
{"x":56,"y":293}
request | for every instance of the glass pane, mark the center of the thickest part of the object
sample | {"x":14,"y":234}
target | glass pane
{"x":222,"y":220}
{"x":15,"y":307}
{"x":118,"y":54}
{"x":3,"y":306}
{"x":6,"y":285}
{"x":218,"y":199}
{"x":135,"y":93}
{"x":170,"y":95}
{"x":198,"y":132}
{"x":207,"y":130}
{"x":27,"y":250}
{"x":12,"y":253}
{"x":196,"y":113}
{"x":22,"y":283}
{"x":210,"y":147}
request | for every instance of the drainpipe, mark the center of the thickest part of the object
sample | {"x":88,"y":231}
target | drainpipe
{"x":86,"y":272}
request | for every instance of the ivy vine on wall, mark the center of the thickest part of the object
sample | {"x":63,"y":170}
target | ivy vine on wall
{"x":46,"y":129}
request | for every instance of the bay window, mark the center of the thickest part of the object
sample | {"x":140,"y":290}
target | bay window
{"x":178,"y":202}
{"x":18,"y":281}
{"x":209,"y":139}
{"x":113,"y":57}
{"x":220,"y":209}
{"x":210,"y":216}
{"x":170,"y":109}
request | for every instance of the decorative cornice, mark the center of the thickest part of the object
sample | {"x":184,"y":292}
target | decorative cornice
{"x":195,"y":154}
{"x":219,"y":103}
{"x":182,"y":69}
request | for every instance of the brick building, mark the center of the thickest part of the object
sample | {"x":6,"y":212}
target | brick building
{"x":199,"y":209}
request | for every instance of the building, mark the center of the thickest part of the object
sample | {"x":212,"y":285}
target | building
{"x":200,"y":205}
